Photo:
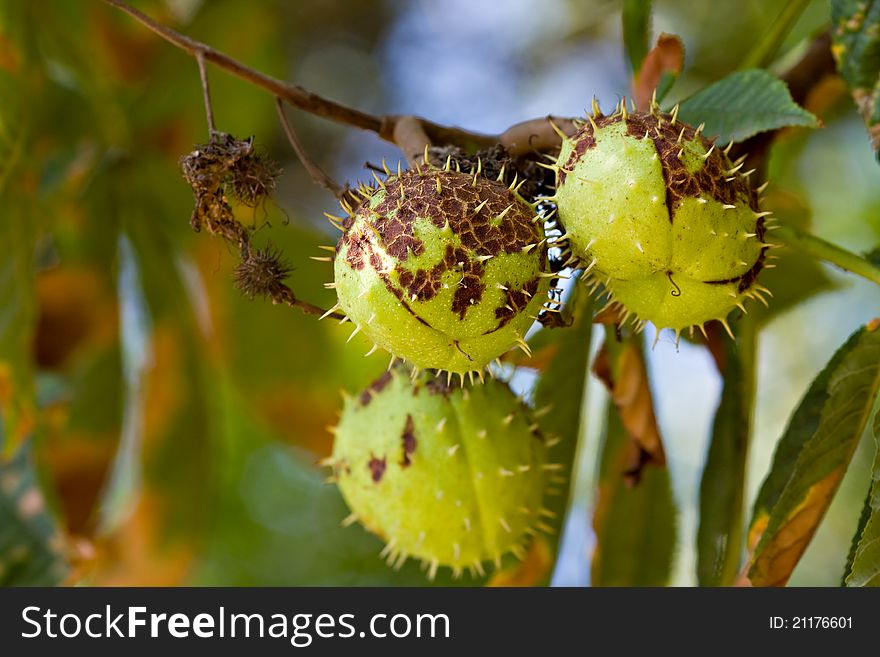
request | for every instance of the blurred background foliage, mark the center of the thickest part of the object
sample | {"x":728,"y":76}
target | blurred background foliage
{"x":175,"y":426}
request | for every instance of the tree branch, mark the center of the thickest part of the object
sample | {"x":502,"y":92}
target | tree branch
{"x":302,"y":98}
{"x":535,"y":135}
{"x":285,"y":296}
{"x":206,"y":94}
{"x":316,"y":172}
{"x":293,"y":94}
{"x":410,"y":136}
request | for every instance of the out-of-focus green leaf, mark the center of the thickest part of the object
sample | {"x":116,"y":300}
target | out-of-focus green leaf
{"x":635,"y":526}
{"x":856,"y":49}
{"x":791,"y":275}
{"x":796,"y":278}
{"x":561,"y":389}
{"x":75,"y":455}
{"x":30,"y":545}
{"x":124,"y":482}
{"x":719,"y":537}
{"x":153,"y":501}
{"x":812,"y":457}
{"x":636,"y":31}
{"x":766,"y":48}
{"x":863,"y":568}
{"x":76,"y":63}
{"x":744,"y":104}
{"x":174,"y":464}
{"x":18,"y":235}
{"x":664,"y":86}
{"x":621,"y":366}
{"x":274,"y":352}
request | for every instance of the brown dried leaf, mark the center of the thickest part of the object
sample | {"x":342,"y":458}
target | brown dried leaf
{"x":716,"y":343}
{"x":625,"y":376}
{"x":667,"y":56}
{"x":613,"y":313}
{"x":540,"y":358}
{"x":635,"y":527}
{"x":531,"y":571}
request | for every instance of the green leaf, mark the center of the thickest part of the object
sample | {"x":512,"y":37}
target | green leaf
{"x":635,"y":526}
{"x":856,"y":48}
{"x":636,"y":31}
{"x":719,"y":538}
{"x":864,"y":516}
{"x":29,"y":541}
{"x":863,"y":568}
{"x":802,"y":427}
{"x":812,"y":456}
{"x":744,"y":104}
{"x":876,"y":427}
{"x":562,"y":389}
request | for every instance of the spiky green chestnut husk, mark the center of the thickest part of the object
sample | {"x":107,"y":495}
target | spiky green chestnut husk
{"x":662,"y":217}
{"x":441,"y":268}
{"x":450,"y":475}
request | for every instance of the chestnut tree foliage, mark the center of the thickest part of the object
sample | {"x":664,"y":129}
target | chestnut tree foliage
{"x":171,"y":350}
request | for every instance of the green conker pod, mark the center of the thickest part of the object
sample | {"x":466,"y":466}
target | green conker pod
{"x":450,"y":475}
{"x":662,"y":217}
{"x":443,"y":269}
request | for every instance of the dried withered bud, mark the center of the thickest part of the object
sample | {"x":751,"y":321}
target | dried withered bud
{"x":261,"y":272}
{"x":226,"y":168}
{"x":213,"y":211}
{"x":252,"y":179}
{"x":208,"y":166}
